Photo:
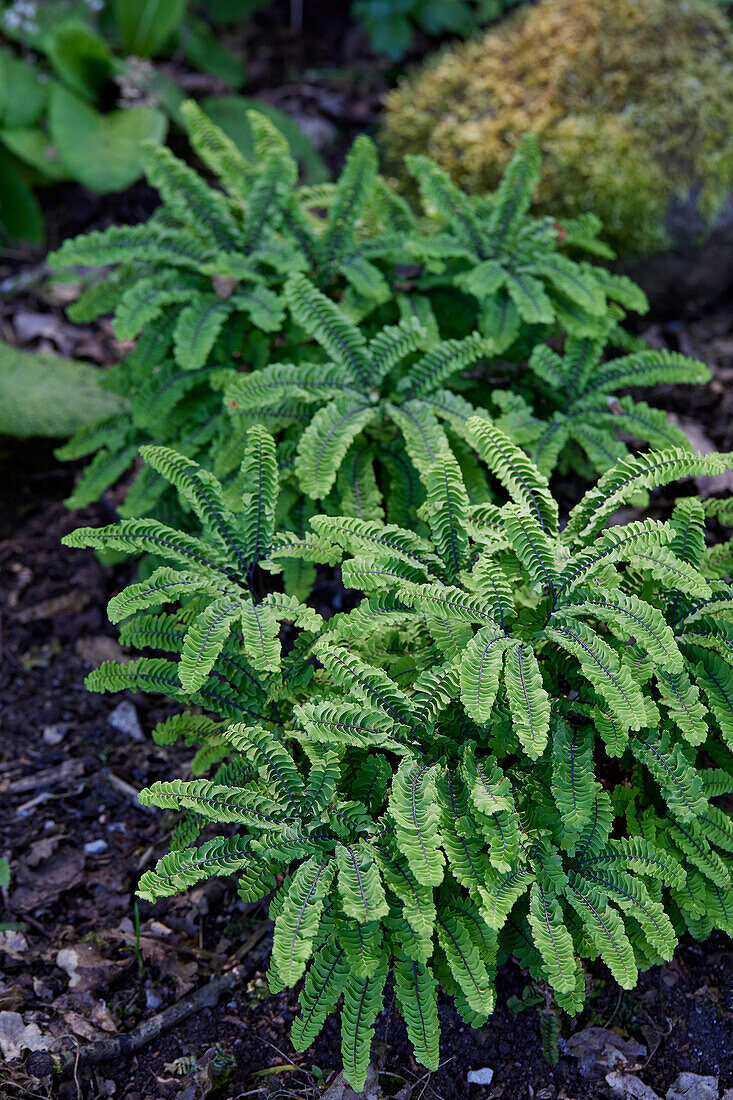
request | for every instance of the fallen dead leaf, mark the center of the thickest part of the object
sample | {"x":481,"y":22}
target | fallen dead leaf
{"x":41,"y":849}
{"x":102,"y":1017}
{"x":30,"y":325}
{"x":706,"y":486}
{"x":224,"y":286}
{"x":79,"y":1024}
{"x":164,"y":956}
{"x":36,"y":889}
{"x":12,"y":997}
{"x":13,"y":944}
{"x":599,"y":1050}
{"x":691,"y":1086}
{"x":67,"y":603}
{"x":15,"y":1036}
{"x":340,"y":1089}
{"x":105,"y":1087}
{"x":96,"y":648}
{"x":88,"y":970}
{"x":654,"y":1035}
{"x":625,"y":1084}
{"x":89,"y":1007}
{"x":40,"y":656}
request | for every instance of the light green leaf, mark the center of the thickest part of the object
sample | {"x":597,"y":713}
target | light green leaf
{"x":103,"y":152}
{"x":43,"y":394}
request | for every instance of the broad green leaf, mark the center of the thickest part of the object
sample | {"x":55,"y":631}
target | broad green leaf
{"x":102,"y":151}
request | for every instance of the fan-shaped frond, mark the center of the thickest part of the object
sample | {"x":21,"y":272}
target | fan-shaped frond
{"x":629,"y":477}
{"x":529,"y":702}
{"x":414,"y":812}
{"x":362,"y":1004}
{"x":515,"y":472}
{"x":297,"y":923}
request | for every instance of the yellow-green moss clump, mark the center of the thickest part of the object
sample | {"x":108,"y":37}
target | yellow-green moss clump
{"x":632,"y":101}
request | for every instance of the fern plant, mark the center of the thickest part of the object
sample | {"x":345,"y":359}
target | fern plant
{"x":515,"y":266}
{"x":227,"y":635}
{"x":569,"y":407}
{"x":513,"y":746}
{"x":364,"y":415}
{"x":200,"y":283}
{"x":386,"y":404}
{"x":206,"y":281}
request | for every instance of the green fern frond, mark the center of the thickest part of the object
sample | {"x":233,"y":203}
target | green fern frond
{"x":216,"y":802}
{"x":190,"y":200}
{"x":603,"y":669}
{"x":297,"y":923}
{"x":362,"y":1004}
{"x":447,"y":504}
{"x":414,"y":812}
{"x":324,"y":443}
{"x":217,"y":151}
{"x":552,"y":938}
{"x":324,"y":983}
{"x":181,"y":869}
{"x":628,"y":477}
{"x":529,"y":702}
{"x":197,"y":329}
{"x":342,"y":341}
{"x":352,"y":191}
{"x":416,"y":993}
{"x":515,"y":472}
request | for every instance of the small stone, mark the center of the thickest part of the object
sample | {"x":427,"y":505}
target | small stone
{"x":124,"y":718}
{"x":691,"y":1086}
{"x":480,"y":1076}
{"x":54,"y":735}
{"x":224,"y":286}
{"x":95,"y":847}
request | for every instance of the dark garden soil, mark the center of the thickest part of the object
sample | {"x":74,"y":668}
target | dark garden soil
{"x":80,"y":961}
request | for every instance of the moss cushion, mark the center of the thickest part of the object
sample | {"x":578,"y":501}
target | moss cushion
{"x":632,"y":101}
